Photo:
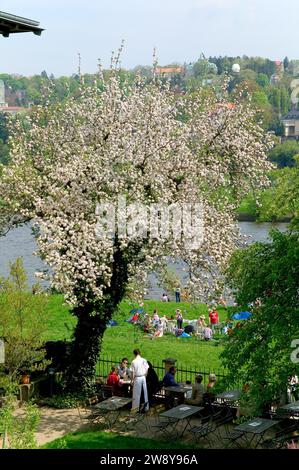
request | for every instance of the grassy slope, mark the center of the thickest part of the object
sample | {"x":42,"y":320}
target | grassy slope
{"x":120,"y":340}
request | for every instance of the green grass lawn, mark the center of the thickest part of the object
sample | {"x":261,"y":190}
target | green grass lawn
{"x":119,"y":341}
{"x":108,"y":440}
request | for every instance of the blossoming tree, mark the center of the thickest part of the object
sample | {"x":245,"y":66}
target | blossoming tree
{"x":145,"y":144}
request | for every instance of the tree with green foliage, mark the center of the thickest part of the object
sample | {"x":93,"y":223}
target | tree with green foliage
{"x":283,"y":154}
{"x":282,"y":198}
{"x":260,"y":353}
{"x":22,"y":325}
{"x":274,"y":98}
{"x":285,"y":100}
{"x":201,"y":68}
{"x":262,"y":80}
{"x":4,"y":153}
{"x":169,"y":280}
{"x":286,"y":63}
{"x":4,"y":150}
{"x":18,"y":432}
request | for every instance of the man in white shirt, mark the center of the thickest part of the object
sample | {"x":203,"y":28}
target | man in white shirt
{"x":139,"y":368}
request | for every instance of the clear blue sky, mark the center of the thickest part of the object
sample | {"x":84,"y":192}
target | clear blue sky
{"x":179,"y":29}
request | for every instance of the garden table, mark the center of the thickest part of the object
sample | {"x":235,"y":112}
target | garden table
{"x":291,"y":408}
{"x":256,"y":427}
{"x":110,"y":409}
{"x":180,"y":390}
{"x":127,"y":387}
{"x":181,"y":412}
{"x":229,"y":396}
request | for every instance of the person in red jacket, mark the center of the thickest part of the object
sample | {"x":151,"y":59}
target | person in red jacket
{"x":115,"y":382}
{"x":113,"y":377}
{"x":213,"y":318}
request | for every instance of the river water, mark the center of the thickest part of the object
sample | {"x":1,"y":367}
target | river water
{"x":20,"y":242}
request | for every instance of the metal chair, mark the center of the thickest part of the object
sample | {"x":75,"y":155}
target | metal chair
{"x":136,"y":421}
{"x":203,"y":431}
{"x":159,"y":396}
{"x":106,"y":391}
{"x":85,"y":408}
{"x":232,"y":437}
{"x":281,"y":437}
{"x":221,"y":419}
{"x":166,"y":427}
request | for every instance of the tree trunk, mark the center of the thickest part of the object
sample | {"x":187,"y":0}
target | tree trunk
{"x":84,"y":354}
{"x":92,"y":321}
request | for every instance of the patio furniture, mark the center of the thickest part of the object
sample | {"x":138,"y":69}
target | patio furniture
{"x":181,"y":413}
{"x":221,"y":418}
{"x":166,"y":426}
{"x":159,"y":396}
{"x":86,"y":408}
{"x":106,"y":391}
{"x":229,"y":396}
{"x":135,"y":421}
{"x":108,"y":411}
{"x":292,"y":409}
{"x":256,"y":427}
{"x":232,"y":437}
{"x":282,"y":436}
{"x":204,"y":429}
{"x":175,"y":394}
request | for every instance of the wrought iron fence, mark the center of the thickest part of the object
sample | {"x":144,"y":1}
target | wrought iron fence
{"x":183,"y":372}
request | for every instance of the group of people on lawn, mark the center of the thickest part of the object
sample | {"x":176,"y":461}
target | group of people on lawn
{"x":144,"y":381}
{"x":156,"y":326}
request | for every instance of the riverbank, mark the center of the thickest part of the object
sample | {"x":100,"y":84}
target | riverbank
{"x":249,"y":217}
{"x":250,"y":211}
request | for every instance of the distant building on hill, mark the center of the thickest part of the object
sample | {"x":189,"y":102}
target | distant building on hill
{"x":2,"y":94}
{"x":4,"y":107}
{"x":13,"y":109}
{"x":277,"y":76}
{"x":169,"y":70}
{"x":291,"y":124}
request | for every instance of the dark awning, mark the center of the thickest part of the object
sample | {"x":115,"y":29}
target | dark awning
{"x":10,"y":24}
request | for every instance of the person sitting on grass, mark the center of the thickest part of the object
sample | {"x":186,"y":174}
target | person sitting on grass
{"x":156,"y":318}
{"x":159,"y":330}
{"x":201,"y":322}
{"x":207,"y":333}
{"x":178,"y":332}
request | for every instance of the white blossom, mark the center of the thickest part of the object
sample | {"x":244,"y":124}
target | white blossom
{"x":131,"y":141}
